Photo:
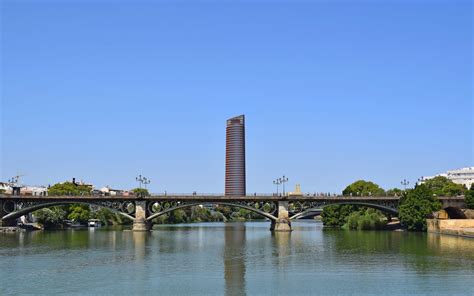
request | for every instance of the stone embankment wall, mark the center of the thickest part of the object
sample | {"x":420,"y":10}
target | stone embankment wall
{"x":462,"y":227}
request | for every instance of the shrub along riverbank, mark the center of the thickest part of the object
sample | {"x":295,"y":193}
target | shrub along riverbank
{"x":354,"y":217}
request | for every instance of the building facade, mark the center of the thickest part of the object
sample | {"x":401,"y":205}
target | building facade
{"x":235,"y":183}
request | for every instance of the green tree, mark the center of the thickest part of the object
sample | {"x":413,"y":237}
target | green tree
{"x":363,"y":188}
{"x":442,"y":186}
{"x":79,"y":213}
{"x":336,"y":215}
{"x":177,"y":216}
{"x":2,"y":191}
{"x":416,"y":206}
{"x":469,"y":198}
{"x":68,"y":188}
{"x":141,"y":192}
{"x":50,"y":217}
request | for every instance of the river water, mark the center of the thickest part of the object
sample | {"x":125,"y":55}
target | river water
{"x":235,"y":259}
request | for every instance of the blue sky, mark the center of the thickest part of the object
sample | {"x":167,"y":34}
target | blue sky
{"x":333,"y":91}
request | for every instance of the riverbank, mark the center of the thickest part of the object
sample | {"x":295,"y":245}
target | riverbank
{"x":10,"y":229}
{"x":459,"y":227}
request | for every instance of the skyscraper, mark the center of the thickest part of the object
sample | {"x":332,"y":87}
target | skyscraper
{"x":235,"y":157}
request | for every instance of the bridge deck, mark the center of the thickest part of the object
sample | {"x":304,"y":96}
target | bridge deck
{"x":215,"y":198}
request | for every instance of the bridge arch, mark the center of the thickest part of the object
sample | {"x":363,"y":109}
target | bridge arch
{"x":24,"y":211}
{"x":193,"y":204}
{"x":382,"y":208}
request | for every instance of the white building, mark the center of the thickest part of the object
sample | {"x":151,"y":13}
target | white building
{"x":463,"y":176}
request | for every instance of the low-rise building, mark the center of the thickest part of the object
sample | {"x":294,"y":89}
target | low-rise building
{"x":34,"y":190}
{"x":107,"y":191}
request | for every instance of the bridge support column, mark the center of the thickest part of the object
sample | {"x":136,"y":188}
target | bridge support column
{"x":140,"y":223}
{"x":282,"y":223}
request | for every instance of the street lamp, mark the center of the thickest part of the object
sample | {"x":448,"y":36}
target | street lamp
{"x":142,"y":180}
{"x":277,"y":182}
{"x":405,"y":183}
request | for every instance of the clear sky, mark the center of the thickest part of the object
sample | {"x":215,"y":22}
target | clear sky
{"x":333,"y":91}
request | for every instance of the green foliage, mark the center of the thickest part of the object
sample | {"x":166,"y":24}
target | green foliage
{"x":50,"y":217}
{"x":79,"y":213}
{"x":363,"y":188}
{"x":177,"y":216}
{"x":469,"y":198}
{"x":394,"y":192}
{"x":2,"y":191}
{"x":141,"y":192}
{"x":416,"y":206}
{"x":108,"y":217}
{"x":366,"y":219}
{"x":69,"y":188}
{"x":442,"y":186}
{"x":336,"y":215}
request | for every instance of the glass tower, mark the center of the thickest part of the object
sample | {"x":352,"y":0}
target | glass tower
{"x":235,"y":157}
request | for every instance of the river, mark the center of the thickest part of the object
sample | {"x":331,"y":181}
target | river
{"x":235,"y":259}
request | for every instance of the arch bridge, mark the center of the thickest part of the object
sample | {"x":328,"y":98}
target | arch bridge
{"x":280,"y":210}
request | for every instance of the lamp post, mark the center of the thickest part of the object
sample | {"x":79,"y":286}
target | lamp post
{"x":405,"y":183}
{"x":277,"y":182}
{"x":142,"y":180}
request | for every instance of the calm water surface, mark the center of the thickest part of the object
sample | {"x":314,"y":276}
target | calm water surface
{"x":235,"y":259}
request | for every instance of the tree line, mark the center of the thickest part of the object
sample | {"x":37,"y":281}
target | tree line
{"x":416,"y":205}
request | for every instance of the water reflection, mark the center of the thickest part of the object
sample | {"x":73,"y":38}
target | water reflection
{"x":139,"y":245}
{"x":234,"y":260}
{"x":281,"y":242}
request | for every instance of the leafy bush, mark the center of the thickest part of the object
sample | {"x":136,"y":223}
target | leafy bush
{"x":366,"y":219}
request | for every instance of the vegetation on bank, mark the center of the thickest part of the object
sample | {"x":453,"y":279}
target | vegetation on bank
{"x":353,"y":217}
{"x":58,"y":216}
{"x":417,"y":205}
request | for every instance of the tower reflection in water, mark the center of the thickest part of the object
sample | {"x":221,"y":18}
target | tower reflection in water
{"x":234,"y":260}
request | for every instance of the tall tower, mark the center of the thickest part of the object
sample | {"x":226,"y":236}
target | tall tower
{"x":235,"y":157}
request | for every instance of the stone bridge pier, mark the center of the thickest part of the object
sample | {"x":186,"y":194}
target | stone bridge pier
{"x":282,"y":223}
{"x":140,"y":223}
